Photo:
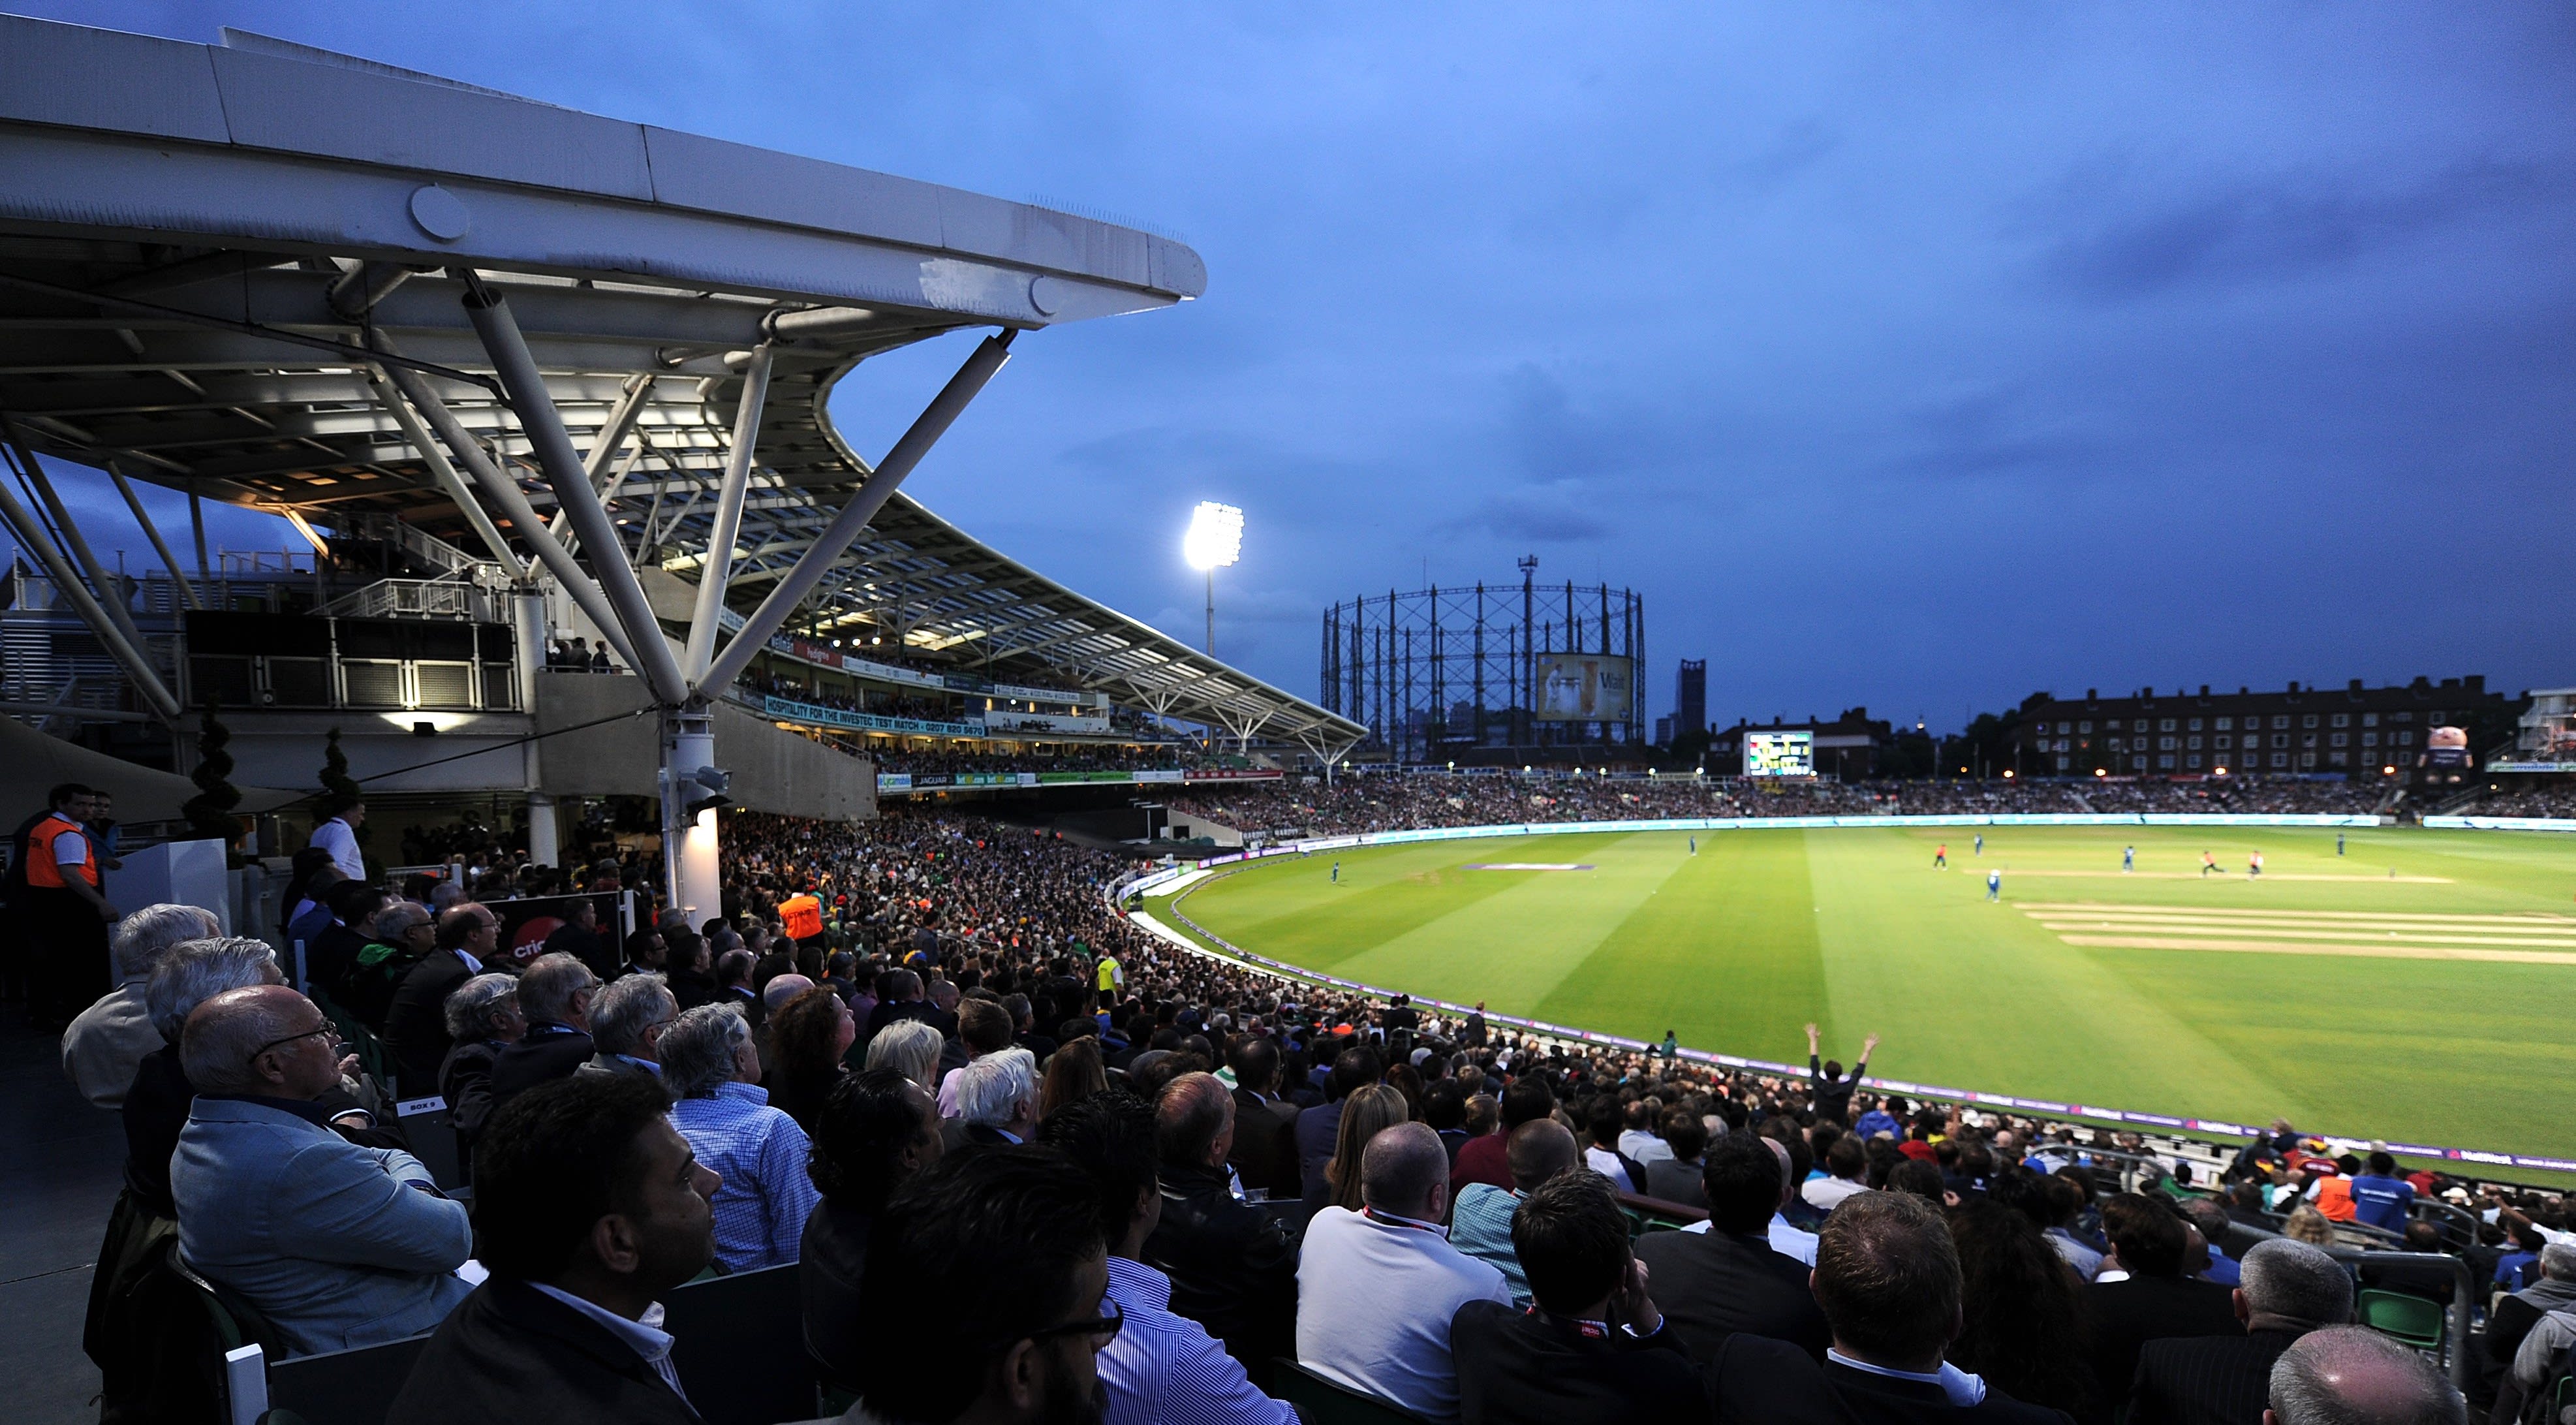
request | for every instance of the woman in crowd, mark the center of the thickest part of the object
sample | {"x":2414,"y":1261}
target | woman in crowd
{"x":483,"y":1019}
{"x":807,"y":1037}
{"x":1073,"y":1073}
{"x":2022,"y":1310}
{"x":1366,"y":1111}
{"x":877,"y":1129}
{"x":910,"y":1048}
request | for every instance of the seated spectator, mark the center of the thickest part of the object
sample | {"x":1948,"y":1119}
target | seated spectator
{"x":1319,"y":1129}
{"x":691,"y":965}
{"x":2023,"y":1321}
{"x":1601,"y":1146}
{"x":1265,"y":1124}
{"x":710,"y":1066}
{"x":2306,"y":1224}
{"x":330,"y":955}
{"x":997,"y":1099}
{"x":1161,"y":1367}
{"x":156,"y":1104}
{"x":910,"y":1048}
{"x":1845,"y":1162}
{"x":1480,"y":1221}
{"x":1641,"y":1141}
{"x":1377,"y":1289}
{"x":985,"y":1296}
{"x":1674,"y":1177}
{"x":808,"y":1035}
{"x":336,"y":1245}
{"x":107,"y":1041}
{"x":1368,"y":1111}
{"x":1073,"y":1073}
{"x":2515,"y":1315}
{"x":1888,"y":1281}
{"x":2289,"y":1290}
{"x":465,"y":942}
{"x":2379,"y":1196}
{"x":554,"y":998}
{"x":626,"y":1020}
{"x":2154,"y":1300}
{"x":588,"y":1207}
{"x":2352,"y":1375}
{"x":1233,"y":1267}
{"x":1483,"y":1159}
{"x":875,"y":1132}
{"x":482,"y":1020}
{"x":1729,"y":1280}
{"x":2209,"y":1219}
{"x":1595,"y":1349}
{"x":983,"y":1027}
{"x":400,"y":938}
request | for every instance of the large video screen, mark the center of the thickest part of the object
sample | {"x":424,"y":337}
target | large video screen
{"x":1779,"y":754}
{"x":1582,"y":687}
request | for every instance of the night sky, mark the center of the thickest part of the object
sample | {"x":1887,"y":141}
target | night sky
{"x":1919,"y":357}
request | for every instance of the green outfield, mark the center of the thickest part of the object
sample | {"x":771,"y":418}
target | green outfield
{"x":2420,"y":987}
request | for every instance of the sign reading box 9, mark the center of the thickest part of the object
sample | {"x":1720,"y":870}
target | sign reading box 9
{"x":1779,"y":754}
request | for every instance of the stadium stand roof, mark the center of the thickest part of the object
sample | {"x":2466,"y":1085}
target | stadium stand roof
{"x":219,"y":262}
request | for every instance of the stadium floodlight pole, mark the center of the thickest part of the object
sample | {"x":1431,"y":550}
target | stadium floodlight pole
{"x":979,"y":367}
{"x":717,"y":568}
{"x":1214,"y":540}
{"x":552,"y":444}
{"x":504,"y":492}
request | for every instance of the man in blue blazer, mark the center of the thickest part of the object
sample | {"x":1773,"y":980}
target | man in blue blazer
{"x":335,"y":1244}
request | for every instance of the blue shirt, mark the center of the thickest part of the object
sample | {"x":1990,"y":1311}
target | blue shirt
{"x":2223,"y":1269}
{"x":1162,"y":1367}
{"x":1480,"y":1225}
{"x":762,"y":1204}
{"x":2381,"y":1202}
{"x":2509,"y":1268}
{"x":1875,"y":1122}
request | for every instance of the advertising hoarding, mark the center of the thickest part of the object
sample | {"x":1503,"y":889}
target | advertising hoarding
{"x":1583,"y":687}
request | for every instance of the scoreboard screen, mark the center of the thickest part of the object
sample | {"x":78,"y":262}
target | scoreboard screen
{"x":1779,"y":754}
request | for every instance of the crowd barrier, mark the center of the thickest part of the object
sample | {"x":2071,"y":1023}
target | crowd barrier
{"x":2501,"y":823}
{"x":2166,"y":1122}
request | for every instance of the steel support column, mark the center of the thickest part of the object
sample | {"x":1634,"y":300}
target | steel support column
{"x":138,"y":664}
{"x":111,"y":603}
{"x":152,"y":532}
{"x":444,"y":473}
{"x":612,"y":434}
{"x":717,"y":567}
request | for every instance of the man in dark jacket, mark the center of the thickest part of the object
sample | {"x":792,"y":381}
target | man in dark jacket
{"x":1727,"y":1280}
{"x":588,"y":1206}
{"x":1319,"y":1130}
{"x":1233,"y":1267}
{"x":1887,"y":1277}
{"x":1833,"y":1091}
{"x":1593,"y":1348}
{"x":554,"y":997}
{"x":2289,"y":1290}
{"x":1265,"y":1135}
{"x":468,"y":936}
{"x":2157,"y":1301}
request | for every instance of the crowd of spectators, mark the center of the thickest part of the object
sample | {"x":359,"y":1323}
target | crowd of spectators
{"x":2559,"y":802}
{"x":1032,"y":1163}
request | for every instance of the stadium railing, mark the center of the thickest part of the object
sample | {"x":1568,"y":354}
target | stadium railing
{"x":2453,"y":1349}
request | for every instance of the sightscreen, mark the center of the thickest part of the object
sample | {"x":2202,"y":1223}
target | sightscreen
{"x":1582,"y":687}
{"x":1779,"y":754}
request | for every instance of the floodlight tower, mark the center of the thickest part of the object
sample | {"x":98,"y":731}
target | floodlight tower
{"x":1215,"y":539}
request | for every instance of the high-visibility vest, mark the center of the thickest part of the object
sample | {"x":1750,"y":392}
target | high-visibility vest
{"x":2334,"y":1198}
{"x":42,"y":870}
{"x":803,"y":916}
{"x":1108,"y":974}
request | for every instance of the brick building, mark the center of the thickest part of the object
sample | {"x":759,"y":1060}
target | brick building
{"x":2357,"y":731}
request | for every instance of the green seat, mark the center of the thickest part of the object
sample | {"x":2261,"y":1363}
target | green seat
{"x":1328,"y":1402}
{"x":2412,"y":1319}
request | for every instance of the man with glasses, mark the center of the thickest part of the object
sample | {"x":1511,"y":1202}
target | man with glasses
{"x":462,"y":945}
{"x":337,"y":1245}
{"x":985,"y":1296}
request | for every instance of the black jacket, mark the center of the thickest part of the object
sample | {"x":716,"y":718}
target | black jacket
{"x":1833,"y":1096}
{"x":510,"y":1352}
{"x":1233,"y":1267}
{"x":831,"y":1262}
{"x":2128,"y":1314}
{"x":1670,"y":1181}
{"x":1715,"y":1284}
{"x":1265,"y":1145}
{"x":1771,"y":1382}
{"x":465,"y":1081}
{"x":2210,"y":1380}
{"x":1516,"y":1366}
{"x":416,"y":1024}
{"x":545,"y":1054}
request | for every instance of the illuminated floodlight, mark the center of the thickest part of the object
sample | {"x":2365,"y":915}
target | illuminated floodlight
{"x":1215,"y":537}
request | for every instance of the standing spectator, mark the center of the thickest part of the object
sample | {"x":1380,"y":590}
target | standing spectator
{"x":336,"y":1245}
{"x":2155,"y":1301}
{"x":107,"y":1041}
{"x":1161,"y":1367}
{"x":482,"y":1021}
{"x":985,"y":1295}
{"x":66,"y":914}
{"x":1378,"y":1289}
{"x":588,"y":1208}
{"x":1233,"y":1267}
{"x":554,"y":997}
{"x":711,"y":1066}
{"x":1484,"y":1160}
{"x":2341,"y":1375}
{"x":337,"y":833}
{"x":2289,"y":1290}
{"x":1595,"y":1350}
{"x":416,"y":1023}
{"x":1888,"y":1281}
{"x":876,"y":1131}
{"x":1480,"y":1221}
{"x":627,"y":1018}
{"x":2380,"y":1197}
{"x":1832,"y":1091}
{"x":1728,"y":1279}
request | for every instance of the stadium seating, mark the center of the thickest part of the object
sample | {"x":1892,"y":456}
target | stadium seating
{"x":1329,"y":1402}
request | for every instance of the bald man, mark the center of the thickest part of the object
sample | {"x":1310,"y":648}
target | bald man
{"x":1233,"y":1266}
{"x":1481,"y":1223}
{"x":1377,"y":1289}
{"x":2352,"y":1375}
{"x":337,"y":1245}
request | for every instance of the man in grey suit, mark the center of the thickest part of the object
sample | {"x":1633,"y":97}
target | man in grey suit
{"x":335,"y":1244}
{"x":627,"y":1018}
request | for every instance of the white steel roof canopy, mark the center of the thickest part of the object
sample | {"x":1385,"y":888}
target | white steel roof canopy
{"x":291,"y":279}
